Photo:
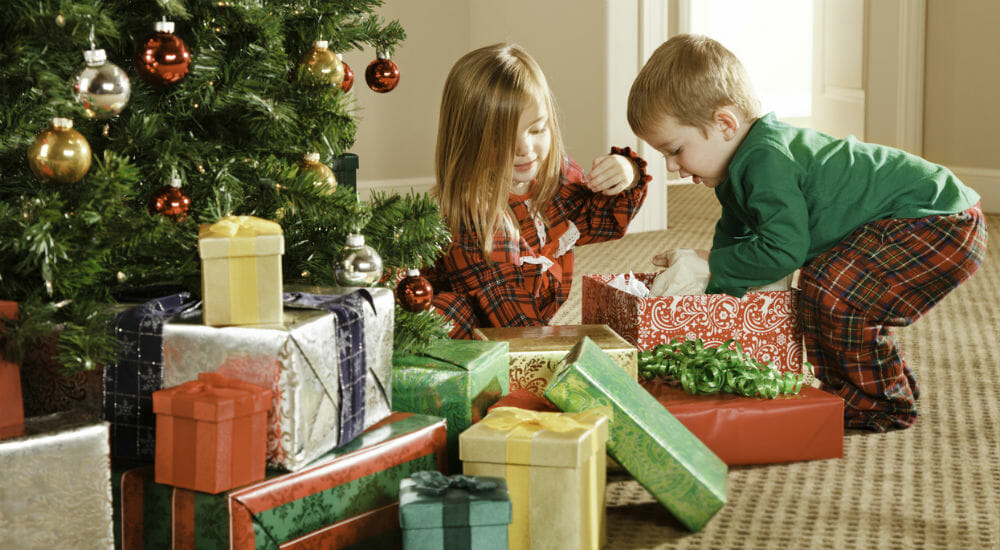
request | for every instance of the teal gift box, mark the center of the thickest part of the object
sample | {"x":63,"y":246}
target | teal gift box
{"x":455,"y":379}
{"x":660,"y":453}
{"x":439,"y":512}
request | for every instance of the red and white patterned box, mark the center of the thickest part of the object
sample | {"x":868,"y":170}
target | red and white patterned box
{"x":766,"y":324}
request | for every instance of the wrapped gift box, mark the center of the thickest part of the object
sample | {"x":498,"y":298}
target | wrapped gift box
{"x":349,"y":496}
{"x":536,"y":351}
{"x":746,"y":430}
{"x":241,"y":271}
{"x":665,"y":457}
{"x":457,"y":379}
{"x":211,"y":433}
{"x":56,"y":488}
{"x":320,"y":401}
{"x":555,"y":468}
{"x":764,"y":323}
{"x":11,"y":404}
{"x":439,"y":512}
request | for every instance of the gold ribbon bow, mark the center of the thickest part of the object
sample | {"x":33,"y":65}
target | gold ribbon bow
{"x":242,"y":226}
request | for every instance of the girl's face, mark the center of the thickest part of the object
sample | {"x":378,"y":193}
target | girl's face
{"x":531,"y":146}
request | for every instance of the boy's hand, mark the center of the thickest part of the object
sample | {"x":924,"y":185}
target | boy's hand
{"x":663,"y":258}
{"x":612,"y":174}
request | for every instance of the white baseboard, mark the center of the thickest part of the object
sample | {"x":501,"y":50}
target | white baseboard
{"x":986,"y":182}
{"x":400,"y":185}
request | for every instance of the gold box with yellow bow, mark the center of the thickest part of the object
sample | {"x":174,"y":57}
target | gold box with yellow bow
{"x":554,"y":464}
{"x":241,"y":271}
{"x":535,"y":352}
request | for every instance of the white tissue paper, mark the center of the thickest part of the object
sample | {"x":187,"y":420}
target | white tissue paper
{"x":688,"y":274}
{"x":784,"y":283}
{"x":630,"y":284}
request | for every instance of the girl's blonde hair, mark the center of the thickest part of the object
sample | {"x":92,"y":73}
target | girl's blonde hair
{"x":688,"y":77}
{"x":484,"y":95}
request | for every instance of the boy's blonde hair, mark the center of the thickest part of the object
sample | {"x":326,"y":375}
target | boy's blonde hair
{"x":688,"y":77}
{"x":484,"y":95}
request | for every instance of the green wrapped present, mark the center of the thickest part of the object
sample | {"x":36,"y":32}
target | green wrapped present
{"x":456,"y":379}
{"x":439,"y":512}
{"x":664,"y":456}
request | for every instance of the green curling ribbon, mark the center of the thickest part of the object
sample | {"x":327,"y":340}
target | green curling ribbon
{"x":704,"y":370}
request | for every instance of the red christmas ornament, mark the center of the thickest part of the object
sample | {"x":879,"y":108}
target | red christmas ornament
{"x":169,"y":201}
{"x":414,"y":292}
{"x":348,"y":81}
{"x":382,"y":75}
{"x":162,"y":59}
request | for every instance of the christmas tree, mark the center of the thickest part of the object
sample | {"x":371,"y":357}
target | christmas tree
{"x":183,"y":112}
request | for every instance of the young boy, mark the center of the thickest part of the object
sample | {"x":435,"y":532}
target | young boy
{"x":880,"y":235}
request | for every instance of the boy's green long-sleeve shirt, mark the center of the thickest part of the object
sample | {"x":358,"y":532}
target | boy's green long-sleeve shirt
{"x":793,"y":193}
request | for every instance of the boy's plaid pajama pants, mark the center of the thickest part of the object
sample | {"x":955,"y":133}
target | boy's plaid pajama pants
{"x":885,"y":274}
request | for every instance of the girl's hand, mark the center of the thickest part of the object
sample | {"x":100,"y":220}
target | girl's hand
{"x":663,"y":258}
{"x":612,"y":174}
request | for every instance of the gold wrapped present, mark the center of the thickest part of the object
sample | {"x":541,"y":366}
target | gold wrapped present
{"x":241,"y":271}
{"x":554,"y":465}
{"x":536,"y":351}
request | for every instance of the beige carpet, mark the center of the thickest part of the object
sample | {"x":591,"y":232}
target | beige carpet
{"x":934,"y":485}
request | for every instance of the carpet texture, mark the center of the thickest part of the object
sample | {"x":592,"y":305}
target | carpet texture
{"x":935,"y":485}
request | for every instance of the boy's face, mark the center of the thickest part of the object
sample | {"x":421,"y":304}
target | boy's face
{"x":691,"y":152}
{"x":532,"y":143}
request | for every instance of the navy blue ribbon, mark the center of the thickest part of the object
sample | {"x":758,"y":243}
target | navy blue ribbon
{"x":130,"y":382}
{"x":349,"y":310}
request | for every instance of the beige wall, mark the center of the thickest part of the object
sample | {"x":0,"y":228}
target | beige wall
{"x":962,"y":92}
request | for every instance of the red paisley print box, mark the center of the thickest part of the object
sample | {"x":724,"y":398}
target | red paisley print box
{"x":764,"y":323}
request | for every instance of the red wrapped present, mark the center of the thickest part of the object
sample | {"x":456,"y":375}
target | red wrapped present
{"x":11,"y":405}
{"x":347,"y":497}
{"x":747,"y":430}
{"x":764,"y":323}
{"x":211,"y":433}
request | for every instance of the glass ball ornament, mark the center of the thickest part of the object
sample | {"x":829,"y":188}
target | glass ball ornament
{"x":321,"y":65}
{"x":382,"y":75}
{"x":102,"y":87}
{"x":357,"y":264}
{"x":322,"y":175}
{"x":162,"y":58}
{"x":414,"y":292}
{"x":59,"y":154}
{"x":348,"y":81}
{"x":170,"y":201}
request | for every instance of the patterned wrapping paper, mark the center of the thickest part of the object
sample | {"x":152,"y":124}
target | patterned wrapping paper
{"x":456,"y":379}
{"x":555,"y":468}
{"x":660,"y":453}
{"x":347,"y":497}
{"x":56,"y":488}
{"x":536,"y":351}
{"x":747,"y":430}
{"x":299,"y":362}
{"x":764,"y":323}
{"x":439,"y":512}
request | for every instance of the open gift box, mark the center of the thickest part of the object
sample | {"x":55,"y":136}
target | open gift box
{"x":764,"y":323}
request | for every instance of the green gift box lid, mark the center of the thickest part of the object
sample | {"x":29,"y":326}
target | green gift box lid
{"x":664,"y":456}
{"x":452,"y":501}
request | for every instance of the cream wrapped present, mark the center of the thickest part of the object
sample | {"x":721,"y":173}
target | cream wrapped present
{"x":241,"y":271}
{"x":554,"y":464}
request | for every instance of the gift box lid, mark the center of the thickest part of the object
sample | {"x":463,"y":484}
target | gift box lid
{"x":430,"y":499}
{"x":240,"y":236}
{"x":212,"y":397}
{"x":520,"y":436}
{"x":553,"y":337}
{"x":464,"y":355}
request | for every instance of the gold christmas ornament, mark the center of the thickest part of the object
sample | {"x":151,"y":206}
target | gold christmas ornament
{"x":59,"y":154}
{"x":322,"y":65}
{"x":321,"y":173}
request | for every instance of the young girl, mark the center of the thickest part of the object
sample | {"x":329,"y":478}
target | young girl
{"x":514,"y":202}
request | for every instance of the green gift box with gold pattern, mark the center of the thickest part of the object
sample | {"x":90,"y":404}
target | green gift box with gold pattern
{"x":347,"y":498}
{"x":456,"y":379}
{"x":654,"y":447}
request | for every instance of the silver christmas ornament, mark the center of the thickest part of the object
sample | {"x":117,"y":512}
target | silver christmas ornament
{"x":357,"y":264}
{"x":102,"y":87}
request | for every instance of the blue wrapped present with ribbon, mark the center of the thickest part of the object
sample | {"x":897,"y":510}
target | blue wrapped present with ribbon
{"x":439,"y":512}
